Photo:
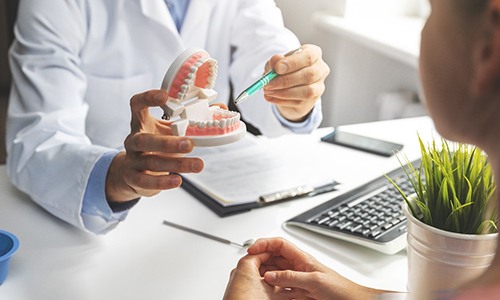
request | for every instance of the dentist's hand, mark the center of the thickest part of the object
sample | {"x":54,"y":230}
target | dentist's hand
{"x":152,"y":155}
{"x":300,"y":84}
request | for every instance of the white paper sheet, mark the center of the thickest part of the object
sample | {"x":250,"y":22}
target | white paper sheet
{"x":244,"y":171}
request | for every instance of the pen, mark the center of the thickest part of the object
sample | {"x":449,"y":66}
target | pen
{"x":259,"y":84}
{"x":299,"y":192}
{"x":245,"y":244}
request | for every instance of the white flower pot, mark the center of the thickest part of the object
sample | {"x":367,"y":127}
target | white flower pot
{"x":440,"y":260}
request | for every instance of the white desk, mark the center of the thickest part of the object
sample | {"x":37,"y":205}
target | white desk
{"x":143,"y":259}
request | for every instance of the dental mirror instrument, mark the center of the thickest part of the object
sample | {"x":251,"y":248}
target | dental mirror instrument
{"x":245,"y":244}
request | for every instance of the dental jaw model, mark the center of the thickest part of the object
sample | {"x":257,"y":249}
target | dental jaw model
{"x":189,"y":82}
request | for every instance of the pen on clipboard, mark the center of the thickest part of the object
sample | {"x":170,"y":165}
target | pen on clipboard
{"x":259,"y":84}
{"x":298,"y":192}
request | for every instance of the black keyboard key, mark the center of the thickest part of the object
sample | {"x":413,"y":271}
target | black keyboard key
{"x":375,"y":216}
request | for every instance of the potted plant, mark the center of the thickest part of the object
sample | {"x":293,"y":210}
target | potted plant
{"x":452,"y":222}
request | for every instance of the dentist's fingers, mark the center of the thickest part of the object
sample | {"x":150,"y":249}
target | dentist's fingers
{"x":140,"y":104}
{"x":149,"y":142}
{"x":297,"y":95}
{"x":166,"y":164}
{"x":309,"y":55}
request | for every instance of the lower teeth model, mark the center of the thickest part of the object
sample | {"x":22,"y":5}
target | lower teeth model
{"x":189,"y":82}
{"x":222,"y":122}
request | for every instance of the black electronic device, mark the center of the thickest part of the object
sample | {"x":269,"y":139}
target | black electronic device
{"x":364,"y":143}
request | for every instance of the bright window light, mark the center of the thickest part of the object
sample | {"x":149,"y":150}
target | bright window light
{"x":385,"y":8}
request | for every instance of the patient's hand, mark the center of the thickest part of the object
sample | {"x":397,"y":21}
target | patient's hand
{"x":293,"y":273}
{"x":152,"y":156}
{"x":246,"y":282}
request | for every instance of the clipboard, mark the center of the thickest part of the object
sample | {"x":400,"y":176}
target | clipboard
{"x":252,"y":173}
{"x":264,"y":200}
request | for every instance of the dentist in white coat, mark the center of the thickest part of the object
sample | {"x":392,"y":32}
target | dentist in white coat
{"x":84,"y":133}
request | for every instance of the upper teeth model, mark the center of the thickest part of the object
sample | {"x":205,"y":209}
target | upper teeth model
{"x":189,"y":82}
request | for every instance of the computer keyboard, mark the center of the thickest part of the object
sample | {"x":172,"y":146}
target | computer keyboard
{"x":370,"y":215}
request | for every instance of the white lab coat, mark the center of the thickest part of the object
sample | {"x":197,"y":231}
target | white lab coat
{"x":76,"y":65}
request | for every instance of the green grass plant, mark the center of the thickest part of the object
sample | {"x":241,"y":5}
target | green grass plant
{"x":454,"y":188}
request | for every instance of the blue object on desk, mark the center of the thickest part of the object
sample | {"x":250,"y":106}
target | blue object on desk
{"x":8,"y":246}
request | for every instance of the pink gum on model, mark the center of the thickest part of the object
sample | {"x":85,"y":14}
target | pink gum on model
{"x":189,"y":82}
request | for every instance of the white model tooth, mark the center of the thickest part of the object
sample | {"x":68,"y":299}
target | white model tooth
{"x":192,"y":122}
{"x":223,"y":123}
{"x":193,"y":68}
{"x":184,"y":87}
{"x":202,"y":124}
{"x":210,"y":123}
{"x":190,"y":76}
{"x":216,"y":123}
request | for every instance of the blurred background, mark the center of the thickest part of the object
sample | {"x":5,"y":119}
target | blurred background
{"x":372,"y":48}
{"x":8,"y":10}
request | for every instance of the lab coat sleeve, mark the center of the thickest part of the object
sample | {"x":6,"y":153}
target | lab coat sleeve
{"x":308,"y":125}
{"x":49,"y":155}
{"x":258,"y":33}
{"x":98,"y":217}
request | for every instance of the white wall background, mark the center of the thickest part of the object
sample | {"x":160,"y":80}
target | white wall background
{"x":358,"y":75}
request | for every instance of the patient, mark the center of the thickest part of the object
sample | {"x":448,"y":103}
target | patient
{"x":460,"y":74}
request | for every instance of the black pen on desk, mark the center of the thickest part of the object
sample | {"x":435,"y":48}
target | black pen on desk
{"x":259,"y":84}
{"x":298,"y":192}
